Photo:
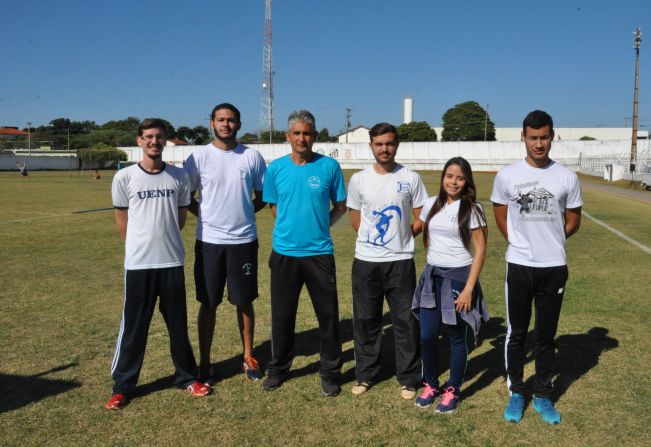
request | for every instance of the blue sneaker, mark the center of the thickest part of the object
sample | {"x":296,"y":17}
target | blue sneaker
{"x":428,"y":396}
{"x":514,"y":410}
{"x":449,"y":401}
{"x":547,"y":411}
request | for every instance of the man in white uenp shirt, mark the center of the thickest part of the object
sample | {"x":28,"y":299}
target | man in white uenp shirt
{"x":151,"y":200}
{"x":228,"y":177}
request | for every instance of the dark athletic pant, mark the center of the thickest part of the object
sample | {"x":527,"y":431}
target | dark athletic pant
{"x":372,"y":281}
{"x":141,"y":289}
{"x":288,"y":274}
{"x":544,"y":286}
{"x":431,"y":321}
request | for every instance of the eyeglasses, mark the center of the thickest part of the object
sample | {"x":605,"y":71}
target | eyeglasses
{"x":154,"y":137}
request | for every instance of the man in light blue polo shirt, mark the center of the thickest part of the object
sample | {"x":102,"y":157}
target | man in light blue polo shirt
{"x":300,"y":187}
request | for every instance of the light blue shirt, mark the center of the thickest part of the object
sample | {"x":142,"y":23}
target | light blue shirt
{"x":302,"y":195}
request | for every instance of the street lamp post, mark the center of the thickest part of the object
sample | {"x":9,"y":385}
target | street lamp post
{"x":637,"y":39}
{"x":29,"y":137}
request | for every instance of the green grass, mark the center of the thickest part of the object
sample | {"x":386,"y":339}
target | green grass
{"x":61,"y":301}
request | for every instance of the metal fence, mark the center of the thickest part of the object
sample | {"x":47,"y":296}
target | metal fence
{"x":598,"y":164}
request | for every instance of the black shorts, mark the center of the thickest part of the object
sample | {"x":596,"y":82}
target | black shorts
{"x":218,"y":265}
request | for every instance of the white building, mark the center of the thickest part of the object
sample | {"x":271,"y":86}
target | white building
{"x":357,"y":134}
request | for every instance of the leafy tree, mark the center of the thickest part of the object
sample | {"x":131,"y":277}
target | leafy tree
{"x":99,"y":154}
{"x":195,"y":135}
{"x":201,"y":135}
{"x":185,"y":133}
{"x":586,"y":138}
{"x":129,"y":124}
{"x":416,"y":131}
{"x":467,"y":121}
{"x":249,"y":138}
{"x":278,"y":136}
{"x":323,"y":136}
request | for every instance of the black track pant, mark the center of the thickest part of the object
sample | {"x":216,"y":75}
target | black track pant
{"x":288,"y":274}
{"x":372,"y":282}
{"x":142,"y":287}
{"x":544,"y":286}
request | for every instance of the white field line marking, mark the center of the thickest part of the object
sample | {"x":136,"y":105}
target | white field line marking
{"x":643,"y":247}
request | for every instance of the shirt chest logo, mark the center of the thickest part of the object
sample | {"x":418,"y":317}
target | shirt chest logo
{"x":155,"y":193}
{"x":314,"y":182}
{"x":403,"y":187}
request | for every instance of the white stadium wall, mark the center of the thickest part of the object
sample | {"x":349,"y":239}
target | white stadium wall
{"x":483,"y":156}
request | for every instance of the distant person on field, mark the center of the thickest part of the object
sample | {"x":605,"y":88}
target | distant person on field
{"x":97,"y":175}
{"x":23,"y":170}
{"x":448,"y":293}
{"x":381,"y":201}
{"x":228,"y":177}
{"x":300,"y":188}
{"x":151,"y":200}
{"x":536,"y":229}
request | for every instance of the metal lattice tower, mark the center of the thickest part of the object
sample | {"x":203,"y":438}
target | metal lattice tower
{"x":267,"y":91}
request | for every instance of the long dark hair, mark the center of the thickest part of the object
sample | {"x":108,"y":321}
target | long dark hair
{"x":466,"y":207}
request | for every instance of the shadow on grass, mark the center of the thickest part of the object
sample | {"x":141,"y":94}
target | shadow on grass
{"x":576,"y":354}
{"x":306,"y":344}
{"x":489,"y":366}
{"x":18,"y":391}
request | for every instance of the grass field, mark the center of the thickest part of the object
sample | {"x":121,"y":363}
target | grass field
{"x":61,"y":301}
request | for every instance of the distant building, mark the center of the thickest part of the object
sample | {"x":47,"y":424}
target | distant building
{"x":357,"y":134}
{"x":176,"y":142}
{"x":11,"y":133}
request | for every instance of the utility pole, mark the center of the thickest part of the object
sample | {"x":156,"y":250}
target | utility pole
{"x":347,"y":123}
{"x":637,"y":39}
{"x":486,"y":123}
{"x":267,"y":92}
{"x":29,"y":137}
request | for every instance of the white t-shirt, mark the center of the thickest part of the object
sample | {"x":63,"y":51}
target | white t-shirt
{"x":445,"y":247}
{"x":385,"y":203}
{"x":153,"y":235}
{"x":225,"y":180}
{"x":537,"y":199}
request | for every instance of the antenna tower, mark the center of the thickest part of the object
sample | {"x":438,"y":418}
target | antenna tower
{"x":267,"y":91}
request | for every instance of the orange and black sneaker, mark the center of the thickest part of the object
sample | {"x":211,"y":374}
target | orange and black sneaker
{"x":117,"y":401}
{"x":252,"y":371}
{"x":198,"y":389}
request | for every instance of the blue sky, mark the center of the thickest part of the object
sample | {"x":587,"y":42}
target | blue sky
{"x":100,"y":60}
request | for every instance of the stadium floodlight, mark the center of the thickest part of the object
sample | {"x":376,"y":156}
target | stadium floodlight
{"x":637,"y":40}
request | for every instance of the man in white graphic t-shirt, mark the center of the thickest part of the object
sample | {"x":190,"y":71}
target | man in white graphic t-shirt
{"x":151,"y":200}
{"x":382,"y":200}
{"x":537,"y":205}
{"x":228,"y":177}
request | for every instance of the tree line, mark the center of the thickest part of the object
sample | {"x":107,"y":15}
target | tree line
{"x":466,"y":121}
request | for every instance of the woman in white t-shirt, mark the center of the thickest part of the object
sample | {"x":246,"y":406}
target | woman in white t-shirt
{"x":448,"y":291}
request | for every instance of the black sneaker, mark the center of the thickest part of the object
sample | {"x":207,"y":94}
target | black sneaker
{"x":273,"y":382}
{"x":329,"y":386}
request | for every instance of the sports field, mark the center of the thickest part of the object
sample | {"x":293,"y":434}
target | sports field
{"x":61,"y":301}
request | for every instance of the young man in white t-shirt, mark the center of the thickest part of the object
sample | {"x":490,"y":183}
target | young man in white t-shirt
{"x":228,"y":177}
{"x":537,"y":206}
{"x":151,"y":200}
{"x":381,"y":201}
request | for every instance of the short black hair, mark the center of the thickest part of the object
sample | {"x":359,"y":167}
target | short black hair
{"x":537,"y":120}
{"x":152,"y":123}
{"x":226,"y":105}
{"x":381,"y":129}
